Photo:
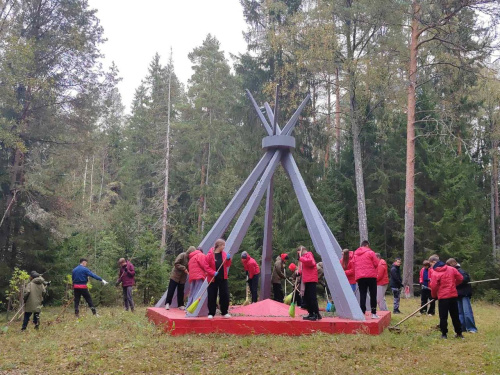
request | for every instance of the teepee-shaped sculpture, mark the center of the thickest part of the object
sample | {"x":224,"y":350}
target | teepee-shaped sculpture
{"x":278,"y":144}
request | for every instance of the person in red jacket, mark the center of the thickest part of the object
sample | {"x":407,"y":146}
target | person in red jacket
{"x":348,"y":266}
{"x":444,"y":283}
{"x":126,"y":276}
{"x":253,"y":273}
{"x":197,"y":274}
{"x":365,"y":269}
{"x":309,"y":274}
{"x":425,"y":295}
{"x":216,"y":259}
{"x":382,"y":282}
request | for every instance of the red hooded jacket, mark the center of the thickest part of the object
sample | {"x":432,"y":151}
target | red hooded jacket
{"x":250,"y":265}
{"x":210,"y":264}
{"x":196,"y":266}
{"x":349,"y":270}
{"x":444,"y":281}
{"x":365,"y":263}
{"x":309,"y":270}
{"x":382,"y":276}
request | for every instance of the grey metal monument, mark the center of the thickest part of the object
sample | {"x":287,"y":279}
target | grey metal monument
{"x":278,"y":144}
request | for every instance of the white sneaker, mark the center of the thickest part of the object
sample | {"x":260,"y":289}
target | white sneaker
{"x":182,"y":308}
{"x":227,"y":316}
{"x":375,"y":316}
{"x":167,"y":306}
{"x":210,"y":317}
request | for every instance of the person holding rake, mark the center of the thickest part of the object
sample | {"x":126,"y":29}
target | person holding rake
{"x":216,"y":259}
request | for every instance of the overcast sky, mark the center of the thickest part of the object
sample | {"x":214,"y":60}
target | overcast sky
{"x":136,"y":30}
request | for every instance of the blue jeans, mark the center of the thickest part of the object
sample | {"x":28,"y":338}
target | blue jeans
{"x":353,"y":287}
{"x":396,"y":292}
{"x":466,"y":315}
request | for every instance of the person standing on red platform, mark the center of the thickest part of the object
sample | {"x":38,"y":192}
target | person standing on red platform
{"x":278,"y":275}
{"x":382,"y":282}
{"x":216,"y":259}
{"x":365,"y":269}
{"x":309,"y":274}
{"x":348,"y":266}
{"x":253,"y":272}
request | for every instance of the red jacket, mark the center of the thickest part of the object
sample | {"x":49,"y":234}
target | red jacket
{"x":250,"y":265}
{"x":382,"y":276}
{"x":210,"y":264}
{"x":127,"y":275}
{"x":444,"y":281}
{"x":309,"y":270}
{"x":196,"y":266}
{"x":349,"y":270}
{"x":365,"y":263}
{"x":421,"y":278}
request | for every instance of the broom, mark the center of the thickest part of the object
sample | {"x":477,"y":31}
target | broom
{"x":395,"y":327}
{"x":247,"y":300}
{"x":192,"y":307}
{"x":329,"y":305}
{"x":291,"y":310}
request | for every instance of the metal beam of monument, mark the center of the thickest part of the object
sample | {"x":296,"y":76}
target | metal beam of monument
{"x":277,"y":144}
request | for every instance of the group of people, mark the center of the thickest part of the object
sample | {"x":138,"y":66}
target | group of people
{"x":366,"y":272}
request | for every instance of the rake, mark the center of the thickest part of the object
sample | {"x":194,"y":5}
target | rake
{"x":395,"y":328}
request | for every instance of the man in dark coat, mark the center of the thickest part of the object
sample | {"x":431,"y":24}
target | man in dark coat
{"x":178,"y":278}
{"x":396,"y":284}
{"x":126,"y":276}
{"x":33,"y":297}
{"x":277,"y":276}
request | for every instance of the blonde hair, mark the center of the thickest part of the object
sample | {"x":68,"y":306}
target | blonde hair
{"x":219,"y":243}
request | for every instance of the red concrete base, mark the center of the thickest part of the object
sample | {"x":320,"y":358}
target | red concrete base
{"x":264,"y":317}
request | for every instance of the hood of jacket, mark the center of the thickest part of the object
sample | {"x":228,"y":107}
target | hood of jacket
{"x":440,"y":266}
{"x":362,"y":250}
{"x":194,"y":253}
{"x":38,"y":280}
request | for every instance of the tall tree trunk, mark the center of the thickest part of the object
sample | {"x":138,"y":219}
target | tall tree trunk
{"x":409,"y":240}
{"x":358,"y":162}
{"x":165,"y":190}
{"x":337,"y":116}
{"x":91,"y":184}
{"x":202,"y":189}
{"x":84,"y":181}
{"x":207,"y":173}
{"x":492,"y":218}
{"x":328,"y":121}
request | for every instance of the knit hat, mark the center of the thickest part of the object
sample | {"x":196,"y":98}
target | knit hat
{"x":284,"y":257}
{"x":292,"y":267}
{"x":34,"y":274}
{"x":244,"y":255}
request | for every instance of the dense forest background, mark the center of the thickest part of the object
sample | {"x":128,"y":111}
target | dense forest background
{"x":395,"y":85}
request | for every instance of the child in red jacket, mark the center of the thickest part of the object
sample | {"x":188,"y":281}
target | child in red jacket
{"x":253,"y":272}
{"x":365,"y":269}
{"x":444,"y":283}
{"x":218,"y":259}
{"x":310,"y":277}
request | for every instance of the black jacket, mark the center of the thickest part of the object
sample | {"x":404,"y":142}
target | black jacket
{"x":464,"y":289}
{"x":396,"y":281}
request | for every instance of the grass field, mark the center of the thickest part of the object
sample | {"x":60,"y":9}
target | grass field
{"x":117,"y":342}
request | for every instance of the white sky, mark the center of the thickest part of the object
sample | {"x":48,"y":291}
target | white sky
{"x":136,"y":30}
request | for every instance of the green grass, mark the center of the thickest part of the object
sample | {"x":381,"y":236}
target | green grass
{"x":123,"y":343}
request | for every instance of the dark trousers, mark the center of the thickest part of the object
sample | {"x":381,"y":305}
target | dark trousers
{"x":311,"y":299}
{"x":36,"y":319}
{"x":86,"y":295}
{"x":449,"y":305}
{"x":278,"y":292}
{"x":221,"y":287}
{"x":425,"y":297}
{"x":253,"y":283}
{"x":127,"y":297}
{"x":365,"y":284}
{"x":172,"y":285}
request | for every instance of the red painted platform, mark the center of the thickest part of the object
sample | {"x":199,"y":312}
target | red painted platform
{"x":264,"y":317}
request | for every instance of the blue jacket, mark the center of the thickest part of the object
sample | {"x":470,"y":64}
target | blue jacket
{"x":81,"y":274}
